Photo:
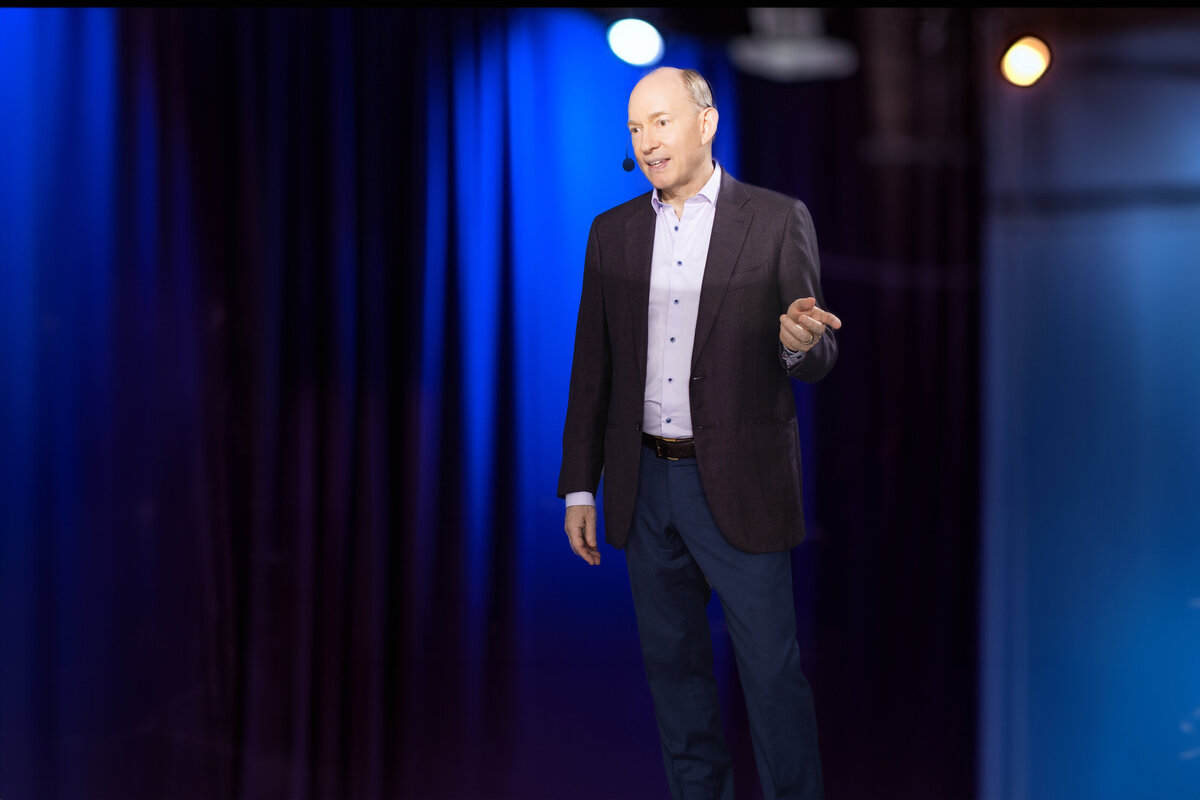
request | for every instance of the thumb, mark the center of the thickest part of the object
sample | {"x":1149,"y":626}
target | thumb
{"x":801,"y":306}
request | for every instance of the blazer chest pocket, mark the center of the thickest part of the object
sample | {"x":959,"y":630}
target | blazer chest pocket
{"x":745,"y":277}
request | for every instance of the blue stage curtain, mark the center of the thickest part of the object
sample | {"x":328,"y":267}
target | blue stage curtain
{"x":288,"y":310}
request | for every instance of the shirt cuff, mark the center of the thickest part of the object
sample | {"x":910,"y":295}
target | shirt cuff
{"x":791,"y":357}
{"x":581,"y":499}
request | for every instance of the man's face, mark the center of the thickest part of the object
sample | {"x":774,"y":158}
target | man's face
{"x":671,"y":136}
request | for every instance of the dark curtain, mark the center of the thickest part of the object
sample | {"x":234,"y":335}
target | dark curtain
{"x":224,"y":462}
{"x":890,"y":163}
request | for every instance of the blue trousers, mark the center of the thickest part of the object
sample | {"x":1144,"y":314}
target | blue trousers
{"x":676,"y":558}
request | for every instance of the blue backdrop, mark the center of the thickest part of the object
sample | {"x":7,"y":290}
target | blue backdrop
{"x":1091,"y":653}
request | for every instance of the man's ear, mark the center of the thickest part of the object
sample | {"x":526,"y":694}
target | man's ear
{"x":708,"y":124}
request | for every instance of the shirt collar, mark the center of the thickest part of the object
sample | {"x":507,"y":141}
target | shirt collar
{"x":708,"y":191}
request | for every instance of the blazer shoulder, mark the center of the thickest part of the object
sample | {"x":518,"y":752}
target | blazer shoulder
{"x":617,"y":215}
{"x":770,"y":199}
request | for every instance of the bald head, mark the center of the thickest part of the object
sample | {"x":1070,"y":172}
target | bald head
{"x":697,"y":88}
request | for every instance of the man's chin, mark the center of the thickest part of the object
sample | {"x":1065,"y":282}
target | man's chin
{"x":657,"y":180}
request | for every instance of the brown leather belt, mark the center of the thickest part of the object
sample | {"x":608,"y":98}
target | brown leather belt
{"x":670,"y":449}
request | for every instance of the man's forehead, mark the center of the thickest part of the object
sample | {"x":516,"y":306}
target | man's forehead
{"x":655,"y":99}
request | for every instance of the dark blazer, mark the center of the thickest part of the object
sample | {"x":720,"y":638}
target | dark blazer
{"x":762,"y":255}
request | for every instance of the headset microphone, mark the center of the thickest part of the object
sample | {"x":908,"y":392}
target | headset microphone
{"x":628,"y":162}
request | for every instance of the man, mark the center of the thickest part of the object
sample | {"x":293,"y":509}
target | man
{"x":699,"y":300}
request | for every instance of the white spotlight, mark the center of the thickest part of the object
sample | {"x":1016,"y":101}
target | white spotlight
{"x":635,"y":42}
{"x":1026,"y":61}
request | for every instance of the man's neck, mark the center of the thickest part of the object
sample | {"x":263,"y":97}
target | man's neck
{"x":677,"y":201}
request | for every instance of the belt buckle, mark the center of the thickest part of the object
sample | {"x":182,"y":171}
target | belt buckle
{"x":658,"y":449}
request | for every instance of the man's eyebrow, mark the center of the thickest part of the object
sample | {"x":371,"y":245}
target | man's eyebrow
{"x":653,"y":116}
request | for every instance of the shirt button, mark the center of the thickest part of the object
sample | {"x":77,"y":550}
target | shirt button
{"x":668,"y":419}
{"x":670,"y":380}
{"x":672,"y":338}
{"x":679,"y":263}
{"x":676,"y":227}
{"x":677,"y":302}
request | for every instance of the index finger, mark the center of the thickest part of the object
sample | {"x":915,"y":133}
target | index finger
{"x":826,"y":318}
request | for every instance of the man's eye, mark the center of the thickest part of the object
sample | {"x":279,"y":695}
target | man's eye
{"x":662,"y":123}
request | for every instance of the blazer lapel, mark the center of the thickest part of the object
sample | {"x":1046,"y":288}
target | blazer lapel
{"x":639,"y":253}
{"x":731,"y":222}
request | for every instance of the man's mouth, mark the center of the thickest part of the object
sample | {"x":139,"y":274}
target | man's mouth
{"x":657,"y":163}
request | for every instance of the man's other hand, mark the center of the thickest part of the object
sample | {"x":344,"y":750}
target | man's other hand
{"x":580,"y":526}
{"x":804,"y":323}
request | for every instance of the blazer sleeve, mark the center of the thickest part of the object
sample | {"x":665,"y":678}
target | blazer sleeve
{"x":800,"y":276}
{"x":591,"y":382}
